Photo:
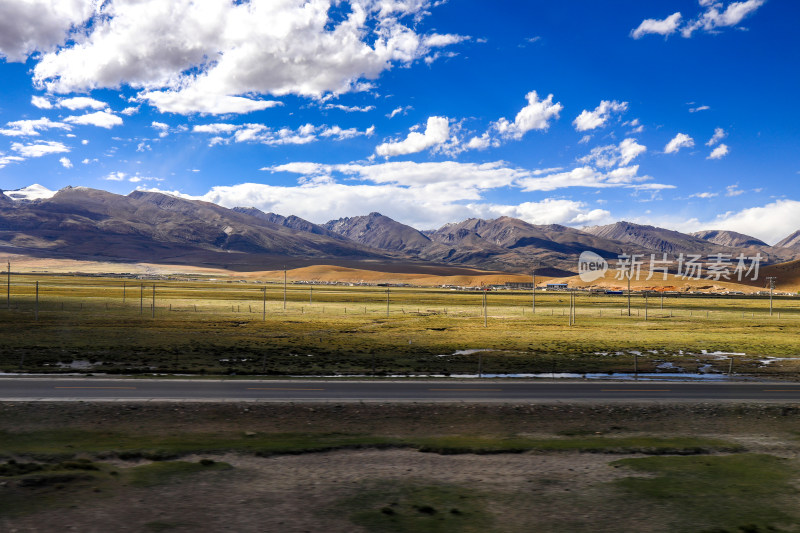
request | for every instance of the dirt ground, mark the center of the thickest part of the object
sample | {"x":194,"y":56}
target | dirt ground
{"x":292,"y":493}
{"x":408,"y":419}
{"x":565,"y":491}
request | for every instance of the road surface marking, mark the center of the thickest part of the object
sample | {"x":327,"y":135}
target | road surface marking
{"x":634,"y":390}
{"x":130,"y":388}
{"x":781,"y":390}
{"x":467,"y":390}
{"x":275,"y":388}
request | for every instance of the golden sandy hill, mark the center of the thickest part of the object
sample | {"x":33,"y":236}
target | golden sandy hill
{"x":657,"y":284}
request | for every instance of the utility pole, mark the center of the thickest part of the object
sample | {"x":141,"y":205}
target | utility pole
{"x":141,"y":299}
{"x":123,"y":292}
{"x":153,"y":314}
{"x":645,"y":305}
{"x":533,"y":290}
{"x":36,"y":312}
{"x":284,"y":287}
{"x":569,"y":315}
{"x":264,"y":305}
{"x":387,"y":302}
{"x":485,"y":317}
{"x":8,"y":286}
{"x":771,"y":281}
{"x":572,"y":308}
{"x":629,"y":290}
{"x":311,"y":295}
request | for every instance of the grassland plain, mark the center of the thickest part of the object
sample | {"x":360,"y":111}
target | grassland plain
{"x":398,"y":468}
{"x":208,"y":327}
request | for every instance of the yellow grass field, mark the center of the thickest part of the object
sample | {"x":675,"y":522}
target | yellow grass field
{"x":208,"y":325}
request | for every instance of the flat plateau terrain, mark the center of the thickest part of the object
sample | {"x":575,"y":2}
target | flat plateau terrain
{"x":397,"y":468}
{"x":213,"y":327}
{"x":376,"y":467}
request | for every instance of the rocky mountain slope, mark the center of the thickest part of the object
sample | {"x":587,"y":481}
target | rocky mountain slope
{"x":792,"y":241}
{"x":144,"y":226}
{"x":291,"y":221}
{"x":728,"y":238}
{"x":704,"y":243}
{"x":150,"y":226}
{"x":381,"y":232}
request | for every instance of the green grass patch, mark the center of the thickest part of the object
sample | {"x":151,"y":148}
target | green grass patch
{"x":31,"y":487}
{"x":394,"y":507}
{"x":747,"y":492}
{"x":205,"y":328}
{"x":648,"y":445}
{"x":61,"y":444}
{"x":64,"y":444}
{"x":170,"y":471}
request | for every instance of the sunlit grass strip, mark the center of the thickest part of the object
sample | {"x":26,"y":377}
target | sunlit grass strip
{"x":60,"y":444}
{"x":205,"y":327}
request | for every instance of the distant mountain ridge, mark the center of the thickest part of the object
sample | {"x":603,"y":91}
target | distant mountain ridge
{"x":650,"y":237}
{"x":144,"y":226}
{"x":728,"y":238}
{"x":380,"y":232}
{"x":792,"y":241}
{"x":704,"y":243}
{"x":30,"y":193}
{"x":503,"y":243}
{"x":291,"y":221}
{"x":150,"y":226}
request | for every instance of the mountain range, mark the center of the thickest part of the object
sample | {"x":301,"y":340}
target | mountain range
{"x":91,"y":224}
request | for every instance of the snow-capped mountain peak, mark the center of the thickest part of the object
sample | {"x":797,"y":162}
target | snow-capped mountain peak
{"x":30,"y":193}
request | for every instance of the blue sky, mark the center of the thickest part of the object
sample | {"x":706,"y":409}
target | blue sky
{"x":682,"y":114}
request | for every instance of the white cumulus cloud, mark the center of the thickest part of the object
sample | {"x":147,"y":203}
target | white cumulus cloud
{"x":350,"y":108}
{"x":39,"y":149}
{"x":225,"y":133}
{"x":589,"y":120}
{"x":65,"y":162}
{"x":101,"y":119}
{"x":534,"y":116}
{"x":719,"y":134}
{"x":41,"y":102}
{"x":613,"y":155}
{"x":715,"y":16}
{"x":770,"y":223}
{"x":547,"y":211}
{"x":719,"y":152}
{"x":6,"y":159}
{"x":81,"y":102}
{"x":681,"y":140}
{"x":218,"y":57}
{"x":195,"y":100}
{"x":29,"y":128}
{"x":399,"y":110}
{"x":161,"y":127}
{"x":28,"y":26}
{"x":588,"y":176}
{"x":665,"y":27}
{"x":437,"y":132}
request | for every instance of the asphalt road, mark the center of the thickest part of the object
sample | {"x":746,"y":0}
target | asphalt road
{"x":101,"y":389}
